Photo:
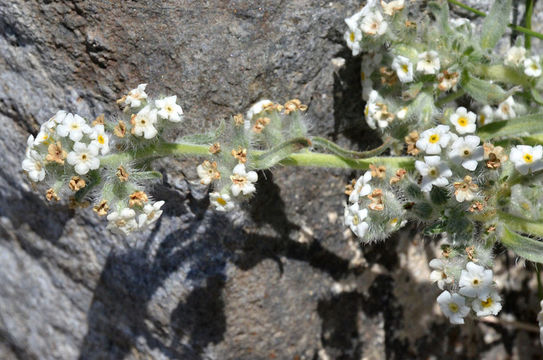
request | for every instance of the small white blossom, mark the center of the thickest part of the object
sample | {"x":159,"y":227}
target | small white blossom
{"x":353,"y":38}
{"x":429,"y":63}
{"x":438,"y":273}
{"x":168,"y":109}
{"x":84,"y":158}
{"x":434,"y":172}
{"x":463,"y":120}
{"x":33,"y":166}
{"x":100,"y":138}
{"x":392,"y":7}
{"x":532,"y":66}
{"x":526,"y":158}
{"x":371,"y":108}
{"x":123,"y":222}
{"x":44,"y":137}
{"x":221,"y":202}
{"x":515,"y":56}
{"x":73,"y":126}
{"x":354,"y":218}
{"x":151,"y":213}
{"x":505,"y":109}
{"x":143,"y":123}
{"x":403,"y":68}
{"x":453,"y":306}
{"x":475,"y":281}
{"x":207,"y":172}
{"x":433,"y":140}
{"x":136,"y":96}
{"x":374,"y":24}
{"x":402,"y":113}
{"x":257,"y":108}
{"x":486,"y":115}
{"x":466,"y":151}
{"x":361,"y":187}
{"x":58,"y":118}
{"x":491,"y":305}
{"x":242,"y":181}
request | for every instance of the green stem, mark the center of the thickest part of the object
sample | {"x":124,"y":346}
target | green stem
{"x":528,"y":23}
{"x":334,"y":148}
{"x":520,"y":29}
{"x":451,"y":97}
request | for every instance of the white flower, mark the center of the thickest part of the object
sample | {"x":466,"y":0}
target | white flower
{"x":373,"y":24}
{"x":221,"y":202}
{"x":257,"y":108}
{"x":402,"y":113}
{"x":29,"y":144}
{"x":526,"y":158}
{"x":151,"y":213}
{"x":73,"y":126}
{"x":58,"y":118}
{"x":403,"y":68}
{"x":242,"y":181}
{"x":361,"y":187}
{"x":438,"y":273}
{"x":169,"y":110}
{"x":475,"y":281}
{"x":44,"y":137}
{"x":33,"y":166}
{"x":207,"y":172}
{"x":488,"y":306}
{"x":354,"y":217}
{"x":392,"y":7}
{"x":123,"y":222}
{"x":532,"y":66}
{"x":135,"y":96}
{"x":432,"y":140}
{"x":505,"y":109}
{"x":486,"y":115}
{"x":143,"y":123}
{"x":515,"y":56}
{"x":100,"y":138}
{"x":84,"y":158}
{"x":434,"y":172}
{"x":463,"y":120}
{"x":453,"y":306}
{"x":429,"y":62}
{"x":353,"y":37}
{"x":466,"y":151}
{"x":371,"y":108}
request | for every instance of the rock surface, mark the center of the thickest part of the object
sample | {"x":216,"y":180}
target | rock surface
{"x":276,"y":280}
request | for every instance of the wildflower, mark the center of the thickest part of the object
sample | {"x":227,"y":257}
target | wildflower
{"x":438,"y":273}
{"x":73,"y":126}
{"x":434,"y":172}
{"x":505,"y":109}
{"x":371,"y":108}
{"x":447,"y":80}
{"x":353,"y":38}
{"x":354,"y":219}
{"x":84,"y":158}
{"x":76,"y":183}
{"x":100,"y":139}
{"x":388,"y":76}
{"x":274,"y":107}
{"x":137,"y":198}
{"x":238,"y":119}
{"x":260,"y":124}
{"x":51,"y":195}
{"x":432,"y":140}
{"x":256,"y":109}
{"x":392,"y":7}
{"x":466,"y":151}
{"x":464,"y":189}
{"x":400,"y":174}
{"x":58,"y":118}
{"x":99,"y":120}
{"x":102,"y":208}
{"x":515,"y":56}
{"x":43,"y":137}
{"x":476,"y":206}
{"x":373,"y":24}
{"x":376,"y":198}
{"x":494,"y":156}
{"x":169,"y":110}
{"x":378,"y":171}
{"x":526,"y":158}
{"x":143,"y":123}
{"x":221,"y":202}
{"x":122,"y":222}
{"x":56,"y":153}
{"x":463,"y":120}
{"x":240,"y":154}
{"x":486,"y":115}
{"x":151,"y":213}
{"x":429,"y":63}
{"x":453,"y":306}
{"x":489,"y":305}
{"x":382,"y":116}
{"x":294,"y":105}
{"x":33,"y":166}
{"x":475,"y":281}
{"x":122,"y":174}
{"x":207,"y":171}
{"x":242,"y":181}
{"x":402,"y":113}
{"x":403,"y":68}
{"x":215,"y":148}
{"x":532,"y":66}
{"x":120,"y":129}
{"x":361,"y":187}
{"x":411,"y":141}
{"x":134,"y":97}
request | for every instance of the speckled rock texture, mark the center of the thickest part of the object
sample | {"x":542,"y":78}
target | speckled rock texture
{"x":279,"y":279}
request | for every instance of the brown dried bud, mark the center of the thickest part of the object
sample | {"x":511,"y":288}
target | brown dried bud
{"x":102,"y":208}
{"x":378,"y":171}
{"x":137,"y":198}
{"x":400,"y":174}
{"x":215,"y":148}
{"x":51,"y":195}
{"x":99,"y":120}
{"x":294,"y":105}
{"x":122,"y":174}
{"x":240,"y":154}
{"x":56,"y":153}
{"x":238,"y":119}
{"x":77,"y":183}
{"x":120,"y":129}
{"x":411,"y":141}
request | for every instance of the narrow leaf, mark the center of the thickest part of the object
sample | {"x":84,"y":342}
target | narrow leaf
{"x":484,"y":91}
{"x":523,"y":225}
{"x":495,"y":24}
{"x":269,"y":158}
{"x":522,"y":125}
{"x":523,"y":246}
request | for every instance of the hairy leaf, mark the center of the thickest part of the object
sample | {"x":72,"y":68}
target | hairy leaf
{"x":523,"y":246}
{"x":495,"y":24}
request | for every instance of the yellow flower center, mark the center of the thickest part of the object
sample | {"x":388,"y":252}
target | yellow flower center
{"x":394,"y":221}
{"x":74,"y":126}
{"x":101,"y":139}
{"x":534,"y":66}
{"x":405,"y":68}
{"x":475,"y":282}
{"x":487,"y":303}
{"x":84,"y":157}
{"x":528,"y":158}
{"x":221,"y":201}
{"x":434,"y":138}
{"x":482,"y":119}
{"x":453,"y":307}
{"x":363,"y":75}
{"x":356,"y":220}
{"x":462,"y":121}
{"x":433,"y":172}
{"x":351,"y":37}
{"x":366,"y":110}
{"x":169,"y":108}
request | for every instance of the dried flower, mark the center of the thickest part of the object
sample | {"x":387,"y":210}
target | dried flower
{"x":102,"y":208}
{"x":120,"y":129}
{"x":238,"y":119}
{"x":294,"y":105}
{"x":400,"y":174}
{"x":240,"y":154}
{"x":51,"y":195}
{"x":137,"y":198}
{"x":411,"y":141}
{"x":122,"y":174}
{"x":215,"y":148}
{"x":77,"y":183}
{"x":56,"y":153}
{"x":378,"y":171}
{"x":376,"y":198}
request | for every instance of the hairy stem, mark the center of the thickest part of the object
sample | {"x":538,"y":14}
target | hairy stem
{"x":528,"y":23}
